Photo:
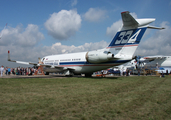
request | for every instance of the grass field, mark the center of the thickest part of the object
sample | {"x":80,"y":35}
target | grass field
{"x":121,"y":98}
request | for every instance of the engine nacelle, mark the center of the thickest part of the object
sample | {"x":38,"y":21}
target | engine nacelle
{"x":98,"y":56}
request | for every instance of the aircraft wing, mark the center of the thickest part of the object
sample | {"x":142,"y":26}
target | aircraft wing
{"x":154,"y":57}
{"x":37,"y":64}
{"x":45,"y":65}
{"x":22,"y":62}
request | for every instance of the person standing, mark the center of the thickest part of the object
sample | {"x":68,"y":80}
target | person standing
{"x":9,"y":71}
{"x":2,"y":70}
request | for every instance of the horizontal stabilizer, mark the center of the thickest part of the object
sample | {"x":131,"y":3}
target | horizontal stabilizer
{"x":152,"y":27}
{"x":129,"y":21}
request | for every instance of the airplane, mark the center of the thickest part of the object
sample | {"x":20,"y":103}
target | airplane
{"x":119,"y":51}
{"x":2,"y":31}
{"x":157,"y":61}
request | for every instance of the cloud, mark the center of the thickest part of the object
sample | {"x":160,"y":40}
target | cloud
{"x":58,"y":48}
{"x":74,"y":3}
{"x":19,"y":36}
{"x":63,"y":24}
{"x":94,"y":15}
{"x":31,"y":53}
{"x":112,"y":30}
{"x":158,"y":44}
{"x":21,"y":42}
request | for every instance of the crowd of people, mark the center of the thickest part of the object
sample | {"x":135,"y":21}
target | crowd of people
{"x":17,"y":71}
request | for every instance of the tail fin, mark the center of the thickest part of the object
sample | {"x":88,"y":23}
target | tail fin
{"x":128,"y":38}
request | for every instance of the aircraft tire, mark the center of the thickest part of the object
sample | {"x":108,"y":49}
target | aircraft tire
{"x":88,"y":75}
{"x":46,"y":73}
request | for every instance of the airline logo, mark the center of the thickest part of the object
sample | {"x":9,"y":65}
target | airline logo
{"x":128,"y":37}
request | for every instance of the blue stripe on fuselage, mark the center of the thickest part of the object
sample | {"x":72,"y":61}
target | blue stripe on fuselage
{"x":87,"y":63}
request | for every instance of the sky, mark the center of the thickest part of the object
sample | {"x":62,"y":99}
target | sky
{"x":37,"y":28}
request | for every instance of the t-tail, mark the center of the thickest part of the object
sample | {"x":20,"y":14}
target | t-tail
{"x":128,"y":38}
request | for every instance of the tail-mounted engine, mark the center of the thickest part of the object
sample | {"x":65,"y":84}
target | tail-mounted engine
{"x":98,"y":56}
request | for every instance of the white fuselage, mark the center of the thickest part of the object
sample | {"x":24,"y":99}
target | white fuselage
{"x":78,"y":62}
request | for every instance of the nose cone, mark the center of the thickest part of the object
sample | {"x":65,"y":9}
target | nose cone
{"x":142,"y":22}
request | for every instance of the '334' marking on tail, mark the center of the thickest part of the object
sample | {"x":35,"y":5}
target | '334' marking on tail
{"x":127,"y":37}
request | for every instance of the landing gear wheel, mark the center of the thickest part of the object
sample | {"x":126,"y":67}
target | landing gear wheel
{"x":46,"y":73}
{"x":88,"y":75}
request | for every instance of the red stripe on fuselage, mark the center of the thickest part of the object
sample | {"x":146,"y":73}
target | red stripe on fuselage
{"x":123,"y":46}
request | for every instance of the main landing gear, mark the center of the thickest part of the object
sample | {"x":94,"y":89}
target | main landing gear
{"x":88,"y":75}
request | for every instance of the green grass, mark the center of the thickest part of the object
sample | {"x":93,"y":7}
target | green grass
{"x":121,"y":98}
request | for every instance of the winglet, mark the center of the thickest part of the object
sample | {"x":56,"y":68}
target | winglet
{"x":9,"y":56}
